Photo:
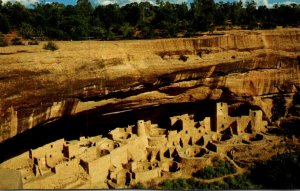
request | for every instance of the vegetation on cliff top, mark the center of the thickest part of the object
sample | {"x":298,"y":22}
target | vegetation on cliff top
{"x":139,"y":20}
{"x":50,"y":46}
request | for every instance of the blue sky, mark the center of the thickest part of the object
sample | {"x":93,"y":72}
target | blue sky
{"x":268,"y":3}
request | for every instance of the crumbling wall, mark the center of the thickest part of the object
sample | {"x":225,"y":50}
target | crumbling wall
{"x":54,"y":148}
{"x":146,"y":176}
{"x":98,"y":169}
{"x":119,"y":134}
{"x":257,"y":122}
{"x":158,"y":141}
{"x":66,"y":166}
{"x":173,"y":138}
{"x":119,"y":156}
{"x":137,"y":148}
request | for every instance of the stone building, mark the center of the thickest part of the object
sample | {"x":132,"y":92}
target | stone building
{"x":236,"y":125}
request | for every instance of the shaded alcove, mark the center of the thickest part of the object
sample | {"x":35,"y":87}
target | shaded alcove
{"x":97,"y":122}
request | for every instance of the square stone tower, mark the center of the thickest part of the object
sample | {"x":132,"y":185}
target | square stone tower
{"x":221,"y":117}
{"x":257,"y":123}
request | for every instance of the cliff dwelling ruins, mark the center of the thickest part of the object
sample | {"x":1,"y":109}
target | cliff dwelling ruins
{"x":144,"y":152}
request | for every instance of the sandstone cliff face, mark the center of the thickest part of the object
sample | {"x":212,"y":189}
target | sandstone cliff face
{"x":38,"y":86}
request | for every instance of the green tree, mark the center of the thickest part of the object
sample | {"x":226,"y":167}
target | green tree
{"x":178,"y":184}
{"x":127,"y":31}
{"x":98,"y":32}
{"x":281,"y":172}
{"x":109,"y":34}
{"x":203,"y":14}
{"x":57,"y":21}
{"x":222,"y":11}
{"x":16,"y":13}
{"x":131,"y":13}
{"x":109,"y":15}
{"x":265,"y":19}
{"x":70,"y":23}
{"x":147,"y":32}
{"x":238,"y":182}
{"x":250,"y":15}
{"x":166,"y":19}
{"x":242,"y":181}
{"x":183,"y":16}
{"x":75,"y":27}
{"x":26,"y":31}
{"x":278,"y":109}
{"x":236,"y":13}
{"x":4,"y":24}
{"x":47,"y":19}
{"x":220,"y":168}
{"x":85,"y":7}
{"x":147,"y":13}
{"x":288,"y":15}
{"x":3,"y":41}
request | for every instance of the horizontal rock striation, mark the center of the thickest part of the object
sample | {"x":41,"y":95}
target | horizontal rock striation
{"x":38,"y":86}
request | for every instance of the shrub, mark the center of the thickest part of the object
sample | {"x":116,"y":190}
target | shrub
{"x":268,"y":25}
{"x":238,"y":182}
{"x":51,"y":46}
{"x":177,"y":184}
{"x":138,"y":186}
{"x":199,"y":54}
{"x":281,"y":172}
{"x":34,"y":42}
{"x":26,"y":31}
{"x":147,"y":32}
{"x":278,"y":109}
{"x":242,"y":181}
{"x":183,"y":58}
{"x":3,"y":41}
{"x":17,"y":41}
{"x":127,"y":31}
{"x":190,"y":33}
{"x":296,"y":101}
{"x":4,"y":23}
{"x":109,"y":35}
{"x":220,"y":168}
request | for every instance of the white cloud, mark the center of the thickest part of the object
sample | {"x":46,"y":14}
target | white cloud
{"x":95,"y":2}
{"x":106,"y":2}
{"x":258,"y":2}
{"x":23,"y":2}
{"x":283,"y":3}
{"x":124,"y":2}
{"x":268,"y":4}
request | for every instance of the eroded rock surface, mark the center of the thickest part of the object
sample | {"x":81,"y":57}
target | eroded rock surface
{"x":38,"y":86}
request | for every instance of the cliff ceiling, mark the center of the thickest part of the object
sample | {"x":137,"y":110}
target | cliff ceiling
{"x":37,"y":85}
